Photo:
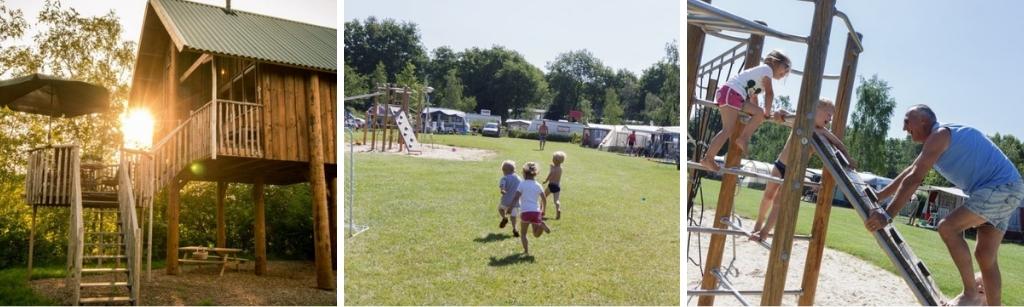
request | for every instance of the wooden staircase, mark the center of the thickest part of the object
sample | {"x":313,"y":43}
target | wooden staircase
{"x":105,"y":241}
{"x":104,"y":257}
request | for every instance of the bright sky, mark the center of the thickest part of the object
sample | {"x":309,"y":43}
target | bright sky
{"x":622,"y":34}
{"x":959,"y":58}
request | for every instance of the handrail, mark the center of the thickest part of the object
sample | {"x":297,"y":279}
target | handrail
{"x":179,"y":127}
{"x":696,"y":8}
{"x":130,"y":226}
{"x":849,"y":27}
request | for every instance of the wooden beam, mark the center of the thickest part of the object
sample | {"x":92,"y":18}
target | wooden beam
{"x":321,"y":224}
{"x":796,"y":159}
{"x":716,"y":247}
{"x":332,"y":214}
{"x":31,"y":241}
{"x":206,"y":57}
{"x":261,"y":228}
{"x":819,"y":228}
{"x":694,"y":53}
{"x":173,"y":206}
{"x":221,"y":233}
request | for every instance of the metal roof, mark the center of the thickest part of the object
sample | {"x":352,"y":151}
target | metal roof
{"x":207,"y":28}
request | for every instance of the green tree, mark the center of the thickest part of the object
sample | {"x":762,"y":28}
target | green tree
{"x":383,"y":41}
{"x":378,"y":77}
{"x":574,"y":76}
{"x":355,"y":83}
{"x":612,"y":113}
{"x":501,"y":79}
{"x":587,"y":109}
{"x":407,"y":78}
{"x":68,"y":45}
{"x":442,"y":61}
{"x":451,"y":95}
{"x":870,"y":124}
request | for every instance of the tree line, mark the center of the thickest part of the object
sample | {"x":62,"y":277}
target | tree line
{"x":500,"y":79}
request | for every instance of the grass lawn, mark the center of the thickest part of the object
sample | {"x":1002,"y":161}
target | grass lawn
{"x":434,"y":236}
{"x":15,"y":290}
{"x":846,"y":233}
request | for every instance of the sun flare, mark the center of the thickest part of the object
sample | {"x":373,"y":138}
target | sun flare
{"x":137,"y":127}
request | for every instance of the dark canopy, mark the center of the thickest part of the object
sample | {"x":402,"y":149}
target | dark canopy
{"x":52,"y":96}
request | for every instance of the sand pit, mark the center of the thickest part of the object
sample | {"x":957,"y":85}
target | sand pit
{"x":433,"y":151}
{"x":844,"y":279}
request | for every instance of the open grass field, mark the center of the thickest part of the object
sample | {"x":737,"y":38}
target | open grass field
{"x":846,"y":233}
{"x":434,"y":236}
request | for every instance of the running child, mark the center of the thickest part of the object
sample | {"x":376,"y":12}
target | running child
{"x":530,"y":196}
{"x":553,"y":184}
{"x":508,"y":184}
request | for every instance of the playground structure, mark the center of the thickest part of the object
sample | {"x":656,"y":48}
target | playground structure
{"x":704,"y":78}
{"x":237,"y":105}
{"x":392,"y":118}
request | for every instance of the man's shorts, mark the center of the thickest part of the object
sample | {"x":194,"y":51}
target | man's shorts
{"x":997,"y":203}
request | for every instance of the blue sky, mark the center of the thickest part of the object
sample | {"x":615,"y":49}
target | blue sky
{"x":623,"y":34}
{"x":961,"y":58}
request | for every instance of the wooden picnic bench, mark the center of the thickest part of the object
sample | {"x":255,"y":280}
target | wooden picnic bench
{"x":224,"y":257}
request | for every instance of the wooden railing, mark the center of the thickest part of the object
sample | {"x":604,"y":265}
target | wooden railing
{"x":221,"y":127}
{"x":52,"y":171}
{"x":127,"y":199}
{"x":191,"y":140}
{"x":240,"y":124}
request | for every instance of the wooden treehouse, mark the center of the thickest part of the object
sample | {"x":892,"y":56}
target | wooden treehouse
{"x":239,"y":97}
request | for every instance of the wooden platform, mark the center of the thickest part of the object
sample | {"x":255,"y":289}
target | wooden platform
{"x":246,"y":170}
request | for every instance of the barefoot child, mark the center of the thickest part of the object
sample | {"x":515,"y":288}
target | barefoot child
{"x":823,"y":115}
{"x":508,"y":185}
{"x":740,"y":94}
{"x":530,"y":197}
{"x":552,"y":182}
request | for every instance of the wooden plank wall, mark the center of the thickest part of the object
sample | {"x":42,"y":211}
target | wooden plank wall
{"x":283,"y":91}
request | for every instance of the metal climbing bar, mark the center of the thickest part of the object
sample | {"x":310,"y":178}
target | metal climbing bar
{"x":731,"y":232}
{"x":849,"y":27}
{"x":709,"y":17}
{"x":732,"y":225}
{"x":724,"y":283}
{"x":825,"y":77}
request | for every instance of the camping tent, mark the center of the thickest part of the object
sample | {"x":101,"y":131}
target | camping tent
{"x":444,"y":120}
{"x":617,"y":138}
{"x":594,"y":134}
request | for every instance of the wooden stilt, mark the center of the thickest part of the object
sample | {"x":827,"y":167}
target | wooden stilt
{"x":694,"y":53}
{"x":819,"y":228}
{"x":261,"y":228}
{"x":322,"y":232}
{"x":31,"y":241}
{"x":796,"y":159}
{"x":173,"y":207}
{"x":725,"y":200}
{"x":221,"y":233}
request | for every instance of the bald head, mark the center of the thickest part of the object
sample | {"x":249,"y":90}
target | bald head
{"x":923,"y":112}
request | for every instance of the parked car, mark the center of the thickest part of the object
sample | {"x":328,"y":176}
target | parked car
{"x":355,"y":122}
{"x":491,"y":129}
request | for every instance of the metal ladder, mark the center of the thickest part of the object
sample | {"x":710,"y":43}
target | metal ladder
{"x":864,"y":201}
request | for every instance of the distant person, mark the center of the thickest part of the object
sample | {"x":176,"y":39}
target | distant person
{"x":968,"y":159}
{"x":553,"y":183}
{"x":738,"y":95}
{"x":542,"y":133}
{"x":508,"y":185}
{"x":630,"y":141}
{"x":586,"y":138}
{"x":530,"y":196}
{"x":770,"y":200}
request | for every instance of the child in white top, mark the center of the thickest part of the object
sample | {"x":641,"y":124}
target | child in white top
{"x":741,"y":94}
{"x":530,"y":196}
{"x":508,"y":185}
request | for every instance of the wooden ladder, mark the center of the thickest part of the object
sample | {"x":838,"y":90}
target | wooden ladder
{"x":104,"y":254}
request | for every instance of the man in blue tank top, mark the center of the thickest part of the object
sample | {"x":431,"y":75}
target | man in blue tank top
{"x":968,"y":159}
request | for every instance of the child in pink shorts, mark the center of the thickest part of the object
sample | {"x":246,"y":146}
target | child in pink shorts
{"x":530,"y":196}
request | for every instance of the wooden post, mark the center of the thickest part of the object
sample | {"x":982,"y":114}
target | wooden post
{"x":694,"y":52}
{"x":819,"y":229}
{"x":31,"y":241}
{"x":173,"y":205}
{"x":261,"y":228}
{"x":373,"y":122}
{"x":221,"y":234}
{"x":332,"y":214}
{"x":387,"y":117}
{"x":725,"y":196}
{"x":322,"y":231}
{"x":796,"y":159}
